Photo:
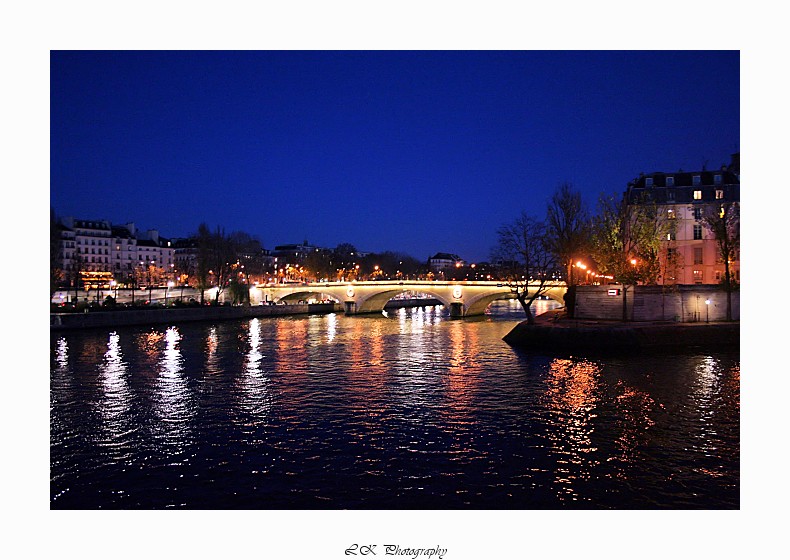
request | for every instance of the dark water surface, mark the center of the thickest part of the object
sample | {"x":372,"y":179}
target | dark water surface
{"x":410,"y":411}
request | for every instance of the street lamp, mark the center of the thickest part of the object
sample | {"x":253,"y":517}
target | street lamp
{"x":707,"y":307}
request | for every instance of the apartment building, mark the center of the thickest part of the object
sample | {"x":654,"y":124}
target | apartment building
{"x":95,"y":253}
{"x":687,"y":197}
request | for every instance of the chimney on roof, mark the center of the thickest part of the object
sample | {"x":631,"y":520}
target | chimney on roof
{"x":735,"y":163}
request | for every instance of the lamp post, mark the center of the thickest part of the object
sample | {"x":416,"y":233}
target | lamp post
{"x":707,"y":308}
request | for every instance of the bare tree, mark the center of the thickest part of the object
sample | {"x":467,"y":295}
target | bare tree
{"x":526,"y":258}
{"x":567,"y":224}
{"x":217,"y":260}
{"x":56,"y":272}
{"x":724,"y":221}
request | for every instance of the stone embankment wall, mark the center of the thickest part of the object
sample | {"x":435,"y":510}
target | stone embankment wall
{"x":682,"y":304}
{"x":155,"y":316}
{"x":624,"y":337}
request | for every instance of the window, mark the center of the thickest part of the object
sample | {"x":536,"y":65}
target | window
{"x":670,"y":181}
{"x":695,"y":180}
{"x":718,"y":275}
{"x":697,"y":195}
{"x":648,"y":181}
{"x":698,"y":213}
{"x":719,"y":194}
{"x":697,"y":231}
{"x":717,"y":179}
{"x":671,"y":251}
{"x":671,"y":214}
{"x":671,"y":195}
{"x":671,"y":236}
{"x":698,"y":277}
{"x":697,"y":255}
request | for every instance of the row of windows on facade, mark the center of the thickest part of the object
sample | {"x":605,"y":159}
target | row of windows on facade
{"x":696,"y":180}
{"x":718,"y":275}
{"x":672,"y":251}
{"x":696,"y":195}
{"x":118,"y":242}
{"x":671,"y":214}
{"x":697,"y":234}
{"x":68,"y":255}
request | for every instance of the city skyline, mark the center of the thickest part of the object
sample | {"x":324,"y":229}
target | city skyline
{"x":418,"y":152}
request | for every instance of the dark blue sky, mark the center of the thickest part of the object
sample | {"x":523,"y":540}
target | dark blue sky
{"x":412,"y":151}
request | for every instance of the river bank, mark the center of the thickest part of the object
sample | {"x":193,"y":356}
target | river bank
{"x":129,"y":317}
{"x":554,"y":331}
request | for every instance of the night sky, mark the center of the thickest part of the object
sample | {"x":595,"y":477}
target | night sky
{"x":411,"y":151}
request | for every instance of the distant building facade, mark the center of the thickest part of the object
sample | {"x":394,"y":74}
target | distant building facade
{"x":95,"y":253}
{"x":686,"y":197}
{"x":444,"y":261}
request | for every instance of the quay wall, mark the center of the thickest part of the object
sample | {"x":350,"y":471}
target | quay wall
{"x":624,"y":337}
{"x":680,"y":304}
{"x":103,"y":319}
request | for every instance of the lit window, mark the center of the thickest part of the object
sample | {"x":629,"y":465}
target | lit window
{"x":697,"y":195}
{"x":718,"y":275}
{"x":671,"y":214}
{"x":697,"y":231}
{"x":719,"y":194}
{"x":698,"y":277}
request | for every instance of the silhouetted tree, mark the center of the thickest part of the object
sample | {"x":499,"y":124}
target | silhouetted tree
{"x":568,"y":228}
{"x":523,"y":248}
{"x":56,"y":272}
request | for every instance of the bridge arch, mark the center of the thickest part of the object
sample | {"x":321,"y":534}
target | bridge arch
{"x":306,"y":294}
{"x":478,"y":304}
{"x":375,"y":302}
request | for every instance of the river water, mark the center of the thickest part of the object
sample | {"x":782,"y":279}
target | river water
{"x":406,"y":411}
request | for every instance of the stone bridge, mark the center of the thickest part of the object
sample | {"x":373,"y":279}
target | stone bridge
{"x":463,"y":299}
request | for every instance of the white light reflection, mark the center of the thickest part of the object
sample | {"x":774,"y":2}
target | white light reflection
{"x":254,"y":384}
{"x":331,"y":327}
{"x":707,"y":392}
{"x":116,"y":399}
{"x":62,"y":355}
{"x":62,"y":383}
{"x":173,"y":401}
{"x":212,"y":344}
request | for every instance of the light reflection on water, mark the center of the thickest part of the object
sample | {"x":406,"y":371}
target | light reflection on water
{"x":411,"y":410}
